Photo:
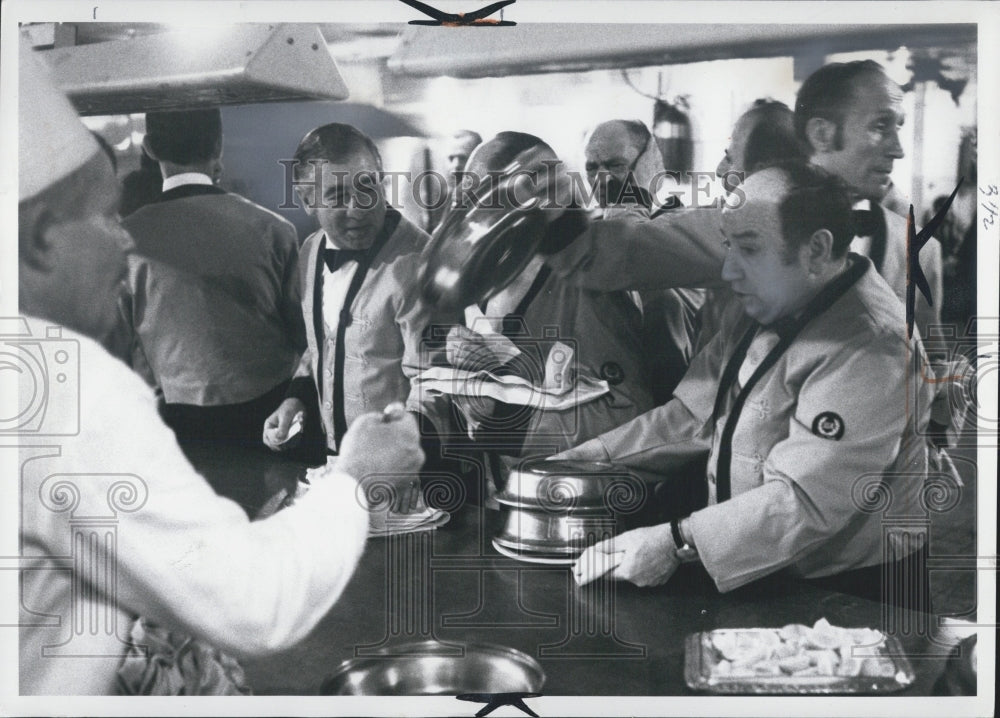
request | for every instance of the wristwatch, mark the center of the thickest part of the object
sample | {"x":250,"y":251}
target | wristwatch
{"x":684,"y":551}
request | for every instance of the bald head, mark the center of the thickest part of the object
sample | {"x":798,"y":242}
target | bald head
{"x":616,"y":149}
{"x":762,"y":136}
{"x":787,"y":240}
{"x":619,"y":134}
{"x":459,"y":147}
{"x":804,"y":198}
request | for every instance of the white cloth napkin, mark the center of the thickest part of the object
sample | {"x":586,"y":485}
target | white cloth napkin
{"x":558,"y":393}
{"x":387,"y":522}
{"x":384,"y":520}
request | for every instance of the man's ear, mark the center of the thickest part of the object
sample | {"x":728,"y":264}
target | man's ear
{"x":821,"y":134}
{"x":36,"y":251}
{"x":307,"y":196}
{"x":819,"y":250}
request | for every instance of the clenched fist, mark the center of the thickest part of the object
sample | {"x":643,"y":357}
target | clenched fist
{"x":381,"y":444}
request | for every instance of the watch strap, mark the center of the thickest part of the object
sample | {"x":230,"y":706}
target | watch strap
{"x":684,"y":551}
{"x":675,"y":531}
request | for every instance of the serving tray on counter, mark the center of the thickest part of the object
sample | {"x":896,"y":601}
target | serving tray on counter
{"x":702,"y":658}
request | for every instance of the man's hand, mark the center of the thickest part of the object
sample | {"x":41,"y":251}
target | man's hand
{"x":278,"y":425}
{"x":386,"y":444}
{"x":646,"y":557}
{"x":592,"y":450}
{"x":471,"y":351}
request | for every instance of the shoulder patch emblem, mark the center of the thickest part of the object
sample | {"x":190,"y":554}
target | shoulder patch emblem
{"x":828,"y":425}
{"x":613,"y":373}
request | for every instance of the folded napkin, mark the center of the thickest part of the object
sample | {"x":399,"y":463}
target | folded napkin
{"x":388,"y":522}
{"x":559,"y":391}
{"x":408,"y":514}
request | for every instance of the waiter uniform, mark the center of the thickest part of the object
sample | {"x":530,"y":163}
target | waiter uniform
{"x":882,"y":237}
{"x":211,"y":317}
{"x":805,"y":424}
{"x":363,"y":325}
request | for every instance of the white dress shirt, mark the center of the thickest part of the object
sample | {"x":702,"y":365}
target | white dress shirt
{"x":335,"y":286}
{"x":186,"y":178}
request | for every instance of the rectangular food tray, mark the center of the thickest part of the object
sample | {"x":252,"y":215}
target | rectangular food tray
{"x":700,"y":655}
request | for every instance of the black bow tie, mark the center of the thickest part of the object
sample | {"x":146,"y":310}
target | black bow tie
{"x":866,"y":222}
{"x":336,"y":258}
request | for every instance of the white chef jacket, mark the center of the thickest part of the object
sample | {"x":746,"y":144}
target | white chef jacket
{"x":830,"y":429}
{"x":115,"y":523}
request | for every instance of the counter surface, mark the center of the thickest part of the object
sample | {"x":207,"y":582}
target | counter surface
{"x":606,"y":638}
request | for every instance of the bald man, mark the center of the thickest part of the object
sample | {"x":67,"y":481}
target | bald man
{"x":763,"y":135}
{"x":456,"y":150}
{"x":790,"y":408}
{"x":621,"y":155}
{"x":624,"y":166}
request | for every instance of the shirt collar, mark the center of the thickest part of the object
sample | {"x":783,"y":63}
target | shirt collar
{"x":186,"y":178}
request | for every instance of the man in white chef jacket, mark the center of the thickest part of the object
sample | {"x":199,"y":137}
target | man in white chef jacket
{"x":115,"y":522}
{"x":802,"y":407}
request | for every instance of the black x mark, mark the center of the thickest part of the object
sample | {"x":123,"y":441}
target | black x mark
{"x":479,"y":17}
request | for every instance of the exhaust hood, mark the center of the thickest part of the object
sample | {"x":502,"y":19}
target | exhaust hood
{"x":230,"y":65}
{"x":471,"y":52}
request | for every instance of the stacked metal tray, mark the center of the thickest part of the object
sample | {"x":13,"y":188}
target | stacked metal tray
{"x":553,"y":510}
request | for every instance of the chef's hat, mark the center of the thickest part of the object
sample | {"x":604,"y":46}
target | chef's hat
{"x":52,"y":142}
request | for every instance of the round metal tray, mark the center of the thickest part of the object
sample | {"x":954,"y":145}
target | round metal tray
{"x":429,"y":668}
{"x":540,"y":531}
{"x":549,"y":549}
{"x":531,"y":557}
{"x":575,"y":508}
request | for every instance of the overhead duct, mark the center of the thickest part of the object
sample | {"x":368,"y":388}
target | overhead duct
{"x":230,"y":65}
{"x":543,"y":47}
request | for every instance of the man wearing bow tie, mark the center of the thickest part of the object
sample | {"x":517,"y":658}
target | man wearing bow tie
{"x":359,"y":298}
{"x":848,"y":116}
